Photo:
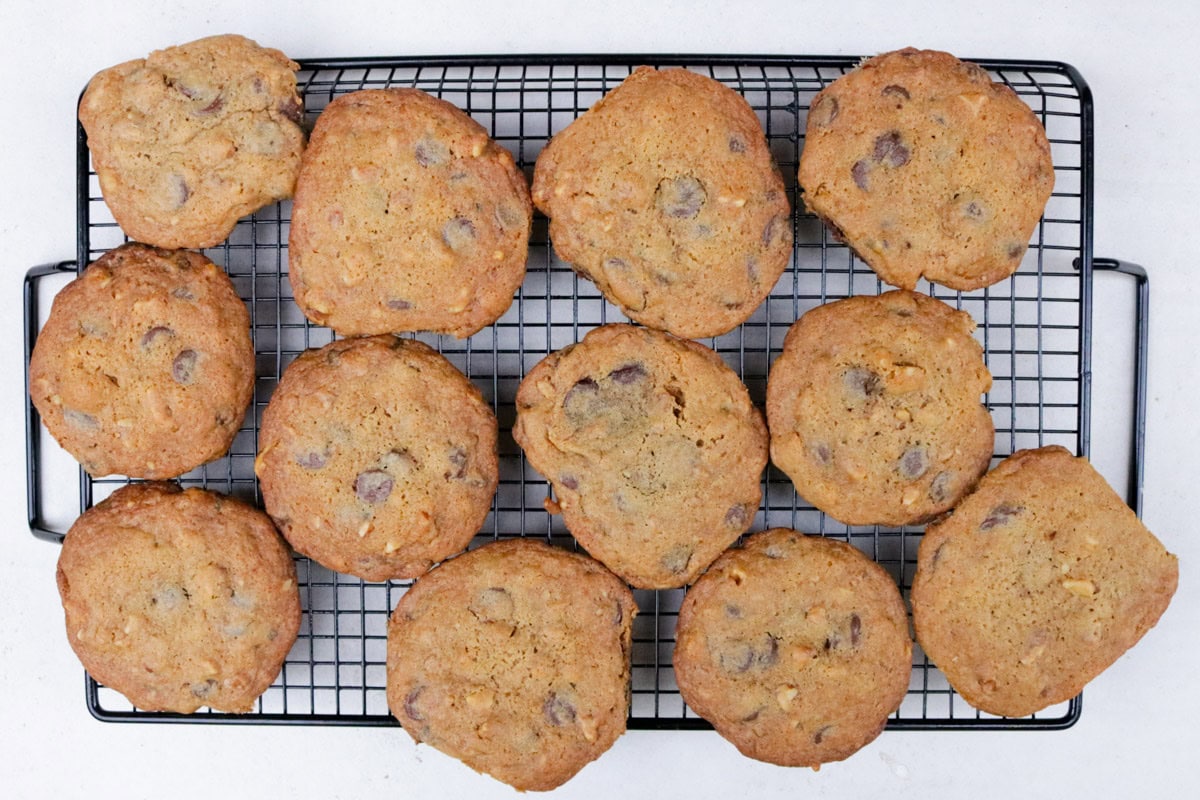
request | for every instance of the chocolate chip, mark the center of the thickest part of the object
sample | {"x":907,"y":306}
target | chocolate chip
{"x":821,"y":733}
{"x":189,"y":92}
{"x":183,"y":368}
{"x":183,"y":293}
{"x":973,"y":210}
{"x":583,"y":389}
{"x":676,"y":559}
{"x":494,"y":604}
{"x":680,"y":197}
{"x":203,"y":690}
{"x":736,"y":145}
{"x":558,"y":711}
{"x":738,"y":657}
{"x":895,"y":90}
{"x":178,"y":189}
{"x":431,"y":152}
{"x":1016,"y":250}
{"x":824,"y":111}
{"x":569,"y":482}
{"x":737,"y":516}
{"x":861,"y":383}
{"x":768,"y":654}
{"x":615,"y":263}
{"x":373,"y":486}
{"x":291,"y":108}
{"x":823,"y":453}
{"x":410,"y":704}
{"x":80,"y":420}
{"x":630,"y":373}
{"x":458,"y":464}
{"x":399,"y":305}
{"x":914,"y":463}
{"x":776,"y":229}
{"x":158,"y":330}
{"x":213,"y":107}
{"x":855,"y":630}
{"x":1000,"y":515}
{"x":939,"y":489}
{"x":619,"y":616}
{"x":861,"y":172}
{"x":312,"y":459}
{"x":459,"y":234}
{"x":732,"y":611}
{"x":890,"y":150}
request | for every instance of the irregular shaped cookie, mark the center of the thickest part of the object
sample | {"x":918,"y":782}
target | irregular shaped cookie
{"x":179,"y":599}
{"x":665,"y":194}
{"x":407,"y":217}
{"x":145,"y":365}
{"x":377,"y":457}
{"x":874,"y":410}
{"x":927,"y":168}
{"x":794,"y":647}
{"x":192,"y":138}
{"x":1037,"y":583}
{"x":514,"y":658}
{"x":653,"y":448}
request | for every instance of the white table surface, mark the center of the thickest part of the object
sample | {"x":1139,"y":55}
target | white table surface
{"x":1139,"y":731}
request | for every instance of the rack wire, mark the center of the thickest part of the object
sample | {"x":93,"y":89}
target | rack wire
{"x":1034,"y":328}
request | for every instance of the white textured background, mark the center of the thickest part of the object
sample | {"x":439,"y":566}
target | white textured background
{"x":1139,"y":731}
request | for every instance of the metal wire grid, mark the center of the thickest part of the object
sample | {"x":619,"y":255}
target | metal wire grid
{"x":1034,"y":329}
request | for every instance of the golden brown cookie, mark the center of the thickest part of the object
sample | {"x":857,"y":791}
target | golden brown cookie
{"x":1037,"y":583}
{"x":794,"y":647}
{"x":874,"y":410}
{"x":191,"y":138}
{"x":514,"y":658}
{"x":665,"y":194}
{"x":179,"y":599}
{"x":653,"y":448}
{"x":145,"y":365}
{"x":927,"y":168}
{"x":407,"y":218}
{"x":377,"y":457}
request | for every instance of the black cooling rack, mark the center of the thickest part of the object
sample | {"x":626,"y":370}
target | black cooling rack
{"x":1035,"y":329}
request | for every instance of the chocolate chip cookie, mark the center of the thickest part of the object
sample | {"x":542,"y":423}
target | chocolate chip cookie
{"x":179,"y":599}
{"x":407,"y":217}
{"x":653,"y":448}
{"x":377,"y":457}
{"x":665,"y":194}
{"x":514,"y":658}
{"x":794,"y":647}
{"x":1037,"y":583}
{"x":191,"y":138}
{"x":145,"y":365}
{"x":874,"y":410}
{"x":927,"y":168}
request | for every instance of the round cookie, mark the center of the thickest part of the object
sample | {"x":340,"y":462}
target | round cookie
{"x":794,"y":647}
{"x":874,"y":410}
{"x":145,"y":365}
{"x":514,"y":658}
{"x":179,"y":599}
{"x":1037,"y":583}
{"x":377,"y":457}
{"x":927,"y":168}
{"x":653,"y":447}
{"x":407,"y":218}
{"x":666,"y":196}
{"x":192,"y":138}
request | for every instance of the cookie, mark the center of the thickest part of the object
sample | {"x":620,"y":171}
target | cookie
{"x":191,"y":138}
{"x":407,"y":218}
{"x":514,"y":658}
{"x":653,"y":448}
{"x":927,"y":168}
{"x":665,"y":195}
{"x":145,"y":365}
{"x":1037,"y":583}
{"x":874,"y":410}
{"x":179,"y":599}
{"x":794,"y":647}
{"x":377,"y":457}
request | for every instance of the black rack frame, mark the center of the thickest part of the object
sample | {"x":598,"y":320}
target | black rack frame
{"x":1035,"y":329}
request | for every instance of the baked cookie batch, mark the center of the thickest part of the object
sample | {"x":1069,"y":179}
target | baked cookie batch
{"x":377,"y":458}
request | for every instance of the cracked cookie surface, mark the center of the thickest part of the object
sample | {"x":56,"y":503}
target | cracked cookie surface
{"x":874,"y":408}
{"x":377,"y":457}
{"x":666,"y":196}
{"x":179,"y":599}
{"x":192,"y":138}
{"x":1039,"y":581}
{"x":514,"y":658}
{"x":794,"y":647}
{"x":407,"y":218}
{"x":145,"y":365}
{"x":927,"y":168}
{"x":652,"y":445}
